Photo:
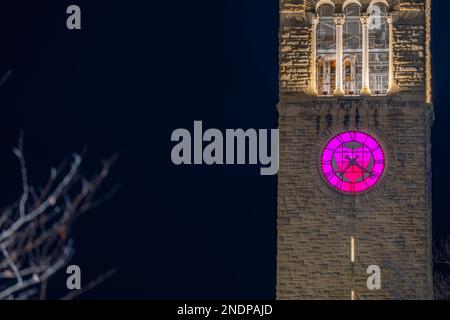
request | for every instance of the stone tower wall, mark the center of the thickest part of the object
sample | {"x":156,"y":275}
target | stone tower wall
{"x":392,"y":223}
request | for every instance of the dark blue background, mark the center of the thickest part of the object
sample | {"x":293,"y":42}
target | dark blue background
{"x":134,"y":73}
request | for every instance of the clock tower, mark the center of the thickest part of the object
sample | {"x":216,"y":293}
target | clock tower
{"x":355,"y":116}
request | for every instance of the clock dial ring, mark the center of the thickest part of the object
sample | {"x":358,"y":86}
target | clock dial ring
{"x":352,"y":162}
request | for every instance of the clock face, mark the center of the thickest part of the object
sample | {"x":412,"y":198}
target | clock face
{"x":352,"y":162}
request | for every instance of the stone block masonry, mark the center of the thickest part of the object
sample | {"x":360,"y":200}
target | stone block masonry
{"x":390,"y":224}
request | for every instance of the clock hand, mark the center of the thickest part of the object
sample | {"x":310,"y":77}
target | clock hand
{"x":348,"y":158}
{"x":351,"y":162}
{"x":358,"y":165}
{"x":343,"y":171}
{"x":362,"y":168}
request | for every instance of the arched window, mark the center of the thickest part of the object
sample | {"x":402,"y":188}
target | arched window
{"x":361,"y":43}
{"x":326,"y":50}
{"x":378,"y":48}
{"x":352,"y":48}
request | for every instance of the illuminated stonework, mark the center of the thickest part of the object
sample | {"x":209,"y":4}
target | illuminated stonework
{"x":429,"y":97}
{"x":348,"y":199}
{"x":401,"y":68}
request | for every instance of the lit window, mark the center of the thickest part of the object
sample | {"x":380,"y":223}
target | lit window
{"x":326,"y":50}
{"x":378,"y":49}
{"x":365,"y":67}
{"x":352,"y":50}
{"x":352,"y":249}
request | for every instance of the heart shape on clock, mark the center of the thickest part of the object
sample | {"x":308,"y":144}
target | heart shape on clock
{"x":353,"y":162}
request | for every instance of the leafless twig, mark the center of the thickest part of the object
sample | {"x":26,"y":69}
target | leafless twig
{"x":5,"y":77}
{"x":102,"y":278}
{"x":441,"y":280}
{"x":35,"y":231}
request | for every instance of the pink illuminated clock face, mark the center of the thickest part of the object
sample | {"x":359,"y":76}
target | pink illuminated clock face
{"x":352,"y":162}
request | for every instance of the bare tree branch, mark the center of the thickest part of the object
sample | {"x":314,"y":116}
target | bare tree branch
{"x":441,"y":256}
{"x":5,"y":77}
{"x":102,"y":278}
{"x":35,"y":231}
{"x":442,"y":253}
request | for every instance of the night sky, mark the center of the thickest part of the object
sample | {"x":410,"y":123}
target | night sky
{"x":135,"y":72}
